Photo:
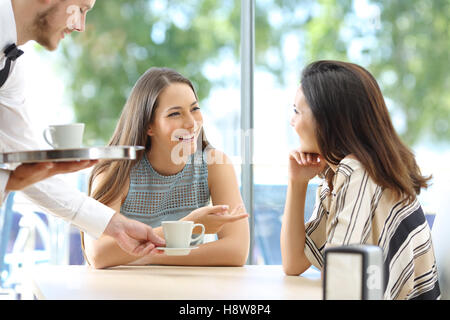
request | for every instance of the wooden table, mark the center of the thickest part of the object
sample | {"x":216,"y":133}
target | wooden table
{"x":254,"y":282}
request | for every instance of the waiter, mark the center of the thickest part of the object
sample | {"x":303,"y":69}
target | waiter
{"x":46,"y":22}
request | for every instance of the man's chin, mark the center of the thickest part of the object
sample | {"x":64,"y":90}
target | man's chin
{"x":48,"y":44}
{"x":52,"y":47}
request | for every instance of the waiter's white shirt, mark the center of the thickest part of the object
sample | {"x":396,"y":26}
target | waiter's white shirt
{"x":16,"y":134}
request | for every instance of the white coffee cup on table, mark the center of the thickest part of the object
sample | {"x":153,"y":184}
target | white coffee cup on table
{"x":178,"y":234}
{"x":65,"y":136}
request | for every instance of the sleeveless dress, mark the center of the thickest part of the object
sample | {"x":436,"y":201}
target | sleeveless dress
{"x":153,"y":198}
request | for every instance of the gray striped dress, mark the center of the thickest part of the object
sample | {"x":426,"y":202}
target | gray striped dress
{"x":358,"y":211}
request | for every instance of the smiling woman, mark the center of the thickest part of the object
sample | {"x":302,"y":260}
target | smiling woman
{"x":176,"y":125}
{"x":173,"y":179}
{"x":149,"y":120}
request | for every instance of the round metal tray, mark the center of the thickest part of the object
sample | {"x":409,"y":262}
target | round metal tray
{"x":94,"y":153}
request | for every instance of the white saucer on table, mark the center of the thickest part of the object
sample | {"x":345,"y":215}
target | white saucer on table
{"x":176,"y":251}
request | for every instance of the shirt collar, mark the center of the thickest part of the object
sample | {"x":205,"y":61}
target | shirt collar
{"x":8,"y":35}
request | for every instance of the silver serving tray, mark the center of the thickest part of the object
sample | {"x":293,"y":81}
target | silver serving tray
{"x":56,"y":155}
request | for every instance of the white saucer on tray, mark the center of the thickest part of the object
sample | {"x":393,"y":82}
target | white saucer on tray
{"x":176,"y":251}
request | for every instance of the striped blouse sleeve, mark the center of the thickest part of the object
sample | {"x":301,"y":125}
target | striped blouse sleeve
{"x":348,"y":218}
{"x":316,"y":228}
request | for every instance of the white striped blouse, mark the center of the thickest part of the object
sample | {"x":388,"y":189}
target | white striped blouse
{"x":358,"y":211}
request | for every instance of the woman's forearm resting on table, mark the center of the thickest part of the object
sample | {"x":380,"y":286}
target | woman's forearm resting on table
{"x":104,"y":252}
{"x":292,"y":237}
{"x":223,"y":252}
{"x":228,"y":251}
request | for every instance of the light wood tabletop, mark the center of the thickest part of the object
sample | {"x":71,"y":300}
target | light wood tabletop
{"x":250,"y":282}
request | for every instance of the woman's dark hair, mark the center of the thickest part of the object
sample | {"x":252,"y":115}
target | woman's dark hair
{"x":352,"y":118}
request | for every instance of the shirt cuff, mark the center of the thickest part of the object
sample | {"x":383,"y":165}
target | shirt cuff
{"x":313,"y":253}
{"x":4,"y":177}
{"x":84,"y":219}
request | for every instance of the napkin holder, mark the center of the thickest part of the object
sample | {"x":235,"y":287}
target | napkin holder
{"x":353,"y":272}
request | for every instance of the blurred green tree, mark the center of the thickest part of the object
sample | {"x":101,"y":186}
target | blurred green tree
{"x":405,"y":44}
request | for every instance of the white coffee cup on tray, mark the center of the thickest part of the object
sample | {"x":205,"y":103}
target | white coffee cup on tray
{"x":178,"y":234}
{"x":65,"y":136}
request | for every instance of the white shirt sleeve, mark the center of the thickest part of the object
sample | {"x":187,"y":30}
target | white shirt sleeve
{"x":53,"y":194}
{"x":56,"y":197}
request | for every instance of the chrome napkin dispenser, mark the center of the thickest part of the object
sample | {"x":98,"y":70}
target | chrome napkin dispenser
{"x":353,"y":272}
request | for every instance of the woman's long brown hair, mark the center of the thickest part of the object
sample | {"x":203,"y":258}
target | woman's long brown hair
{"x":352,"y":118}
{"x":131,"y":130}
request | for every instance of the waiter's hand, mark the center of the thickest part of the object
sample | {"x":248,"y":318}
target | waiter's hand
{"x":30,"y":173}
{"x":134,"y":237}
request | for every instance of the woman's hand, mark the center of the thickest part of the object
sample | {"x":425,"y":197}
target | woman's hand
{"x":304,"y":166}
{"x":215,"y":217}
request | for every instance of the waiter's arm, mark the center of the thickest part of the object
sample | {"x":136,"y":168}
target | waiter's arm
{"x":28,"y":174}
